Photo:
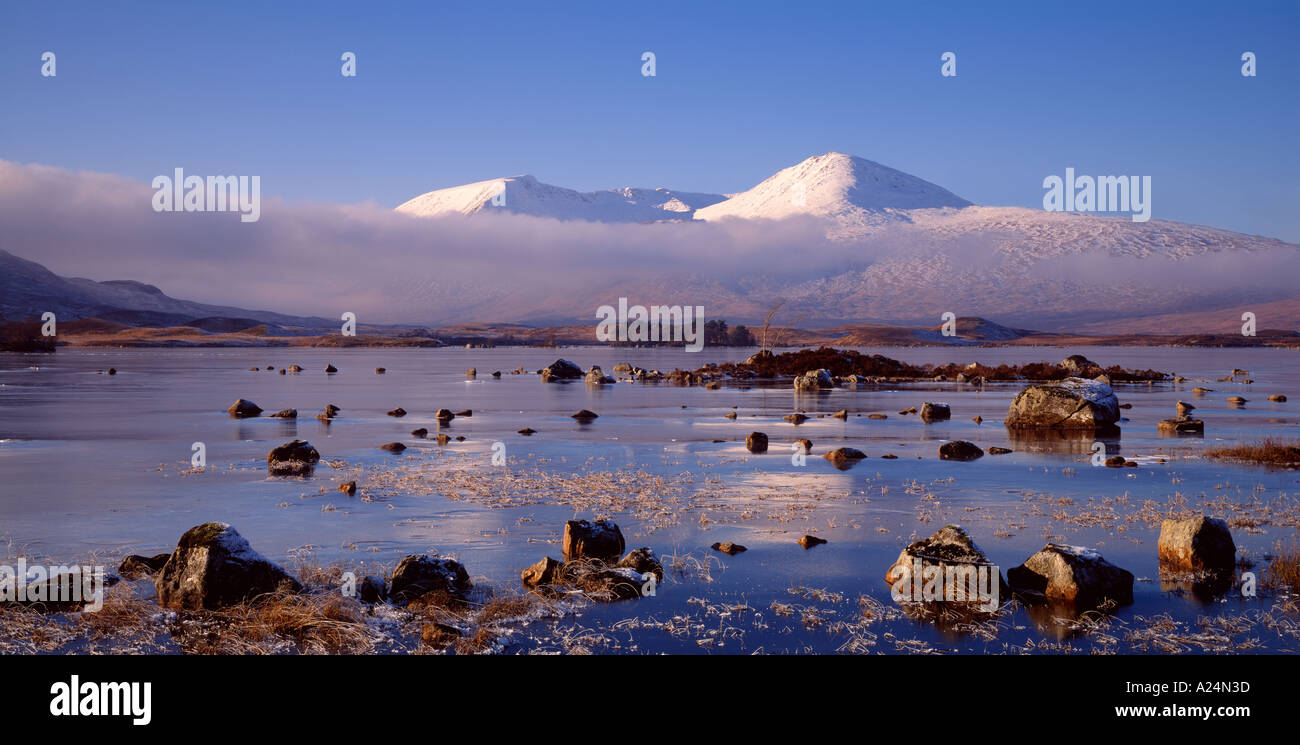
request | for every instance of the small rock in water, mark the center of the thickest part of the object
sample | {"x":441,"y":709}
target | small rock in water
{"x":548,"y":571}
{"x":380,"y":371}
{"x":933,"y":412}
{"x":584,"y":415}
{"x":809,"y":541}
{"x":995,"y":450}
{"x":877,"y":416}
{"x":730,"y":415}
{"x":527,"y":431}
{"x":242,"y":409}
{"x":393,"y":447}
{"x":465,"y":412}
{"x":295,"y":458}
{"x":443,"y":439}
{"x":796,"y":418}
{"x":806,"y":444}
{"x":472,"y":372}
{"x":1115,"y":461}
{"x":398,"y":412}
{"x":729,"y":548}
{"x":841,"y":414}
{"x":587,"y":539}
{"x":421,"y":432}
{"x":842,"y":458}
{"x":1278,"y":398}
{"x":1181,"y":426}
{"x":331,"y":410}
{"x":136,"y":565}
{"x":756,"y":442}
{"x":960,"y":450}
{"x":285,"y":414}
{"x":349,"y":488}
{"x":112,"y":371}
{"x":444,"y":415}
{"x":331,"y":369}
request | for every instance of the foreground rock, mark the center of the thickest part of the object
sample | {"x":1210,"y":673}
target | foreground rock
{"x":1197,"y":544}
{"x":243,"y":409}
{"x":756,"y":442}
{"x":947,"y":566}
{"x":548,"y":571}
{"x":628,"y":578}
{"x":214,"y":567}
{"x":421,"y":574}
{"x":1072,"y":404}
{"x":1072,"y":575}
{"x":561,"y":370}
{"x":296,"y":458}
{"x":960,"y":450}
{"x":586,"y":539}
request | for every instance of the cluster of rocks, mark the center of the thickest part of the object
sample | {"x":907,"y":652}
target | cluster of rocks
{"x":595,"y":564}
{"x":1072,"y":578}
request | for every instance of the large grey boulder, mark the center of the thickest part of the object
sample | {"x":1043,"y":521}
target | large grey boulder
{"x":214,"y":567}
{"x":1196,"y":545}
{"x":948,"y":559}
{"x":1071,"y":404}
{"x":1072,"y":575}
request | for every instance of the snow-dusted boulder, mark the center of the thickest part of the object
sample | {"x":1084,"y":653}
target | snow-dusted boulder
{"x":1073,"y":575}
{"x":814,"y":380}
{"x":932,"y":412}
{"x":295,"y":458}
{"x":1073,"y":403}
{"x":597,"y":376}
{"x":417,"y":575}
{"x":561,"y":370}
{"x":954,"y":553}
{"x":213,"y":567}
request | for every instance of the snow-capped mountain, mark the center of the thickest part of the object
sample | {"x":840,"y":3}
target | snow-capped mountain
{"x":526,"y":195}
{"x":907,"y":250}
{"x":855,"y":193}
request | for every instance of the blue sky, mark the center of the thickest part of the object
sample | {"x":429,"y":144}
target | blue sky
{"x":448,"y":93}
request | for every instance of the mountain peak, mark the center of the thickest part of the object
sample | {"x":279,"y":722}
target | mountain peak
{"x":850,"y":189}
{"x":527,"y":196}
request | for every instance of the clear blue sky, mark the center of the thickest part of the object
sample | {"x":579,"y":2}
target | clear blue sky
{"x":448,"y":93}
